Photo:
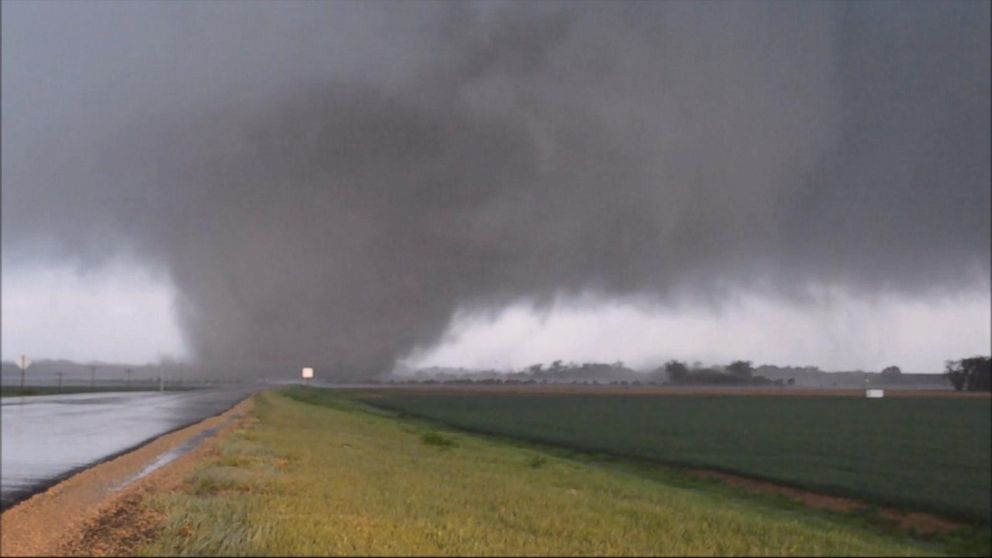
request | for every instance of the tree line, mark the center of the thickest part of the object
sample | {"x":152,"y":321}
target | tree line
{"x":968,"y":374}
{"x":737,"y":373}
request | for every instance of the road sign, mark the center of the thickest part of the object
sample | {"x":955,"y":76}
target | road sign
{"x":307,"y":373}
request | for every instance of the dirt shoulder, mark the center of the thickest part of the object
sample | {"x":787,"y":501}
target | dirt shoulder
{"x":918,"y":522}
{"x":96,"y":512}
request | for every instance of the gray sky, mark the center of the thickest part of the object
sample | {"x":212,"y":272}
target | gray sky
{"x":335,"y":182}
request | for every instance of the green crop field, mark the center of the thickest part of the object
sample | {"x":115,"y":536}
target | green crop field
{"x":929,"y":454}
{"x":319,"y":474}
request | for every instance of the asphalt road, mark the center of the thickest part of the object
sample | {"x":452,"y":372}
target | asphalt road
{"x":46,"y":438}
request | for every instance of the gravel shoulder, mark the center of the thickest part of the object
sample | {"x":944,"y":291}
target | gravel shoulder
{"x":90,"y":514}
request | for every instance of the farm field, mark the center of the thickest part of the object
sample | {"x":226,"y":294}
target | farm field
{"x":320,"y":474}
{"x":924,"y":453}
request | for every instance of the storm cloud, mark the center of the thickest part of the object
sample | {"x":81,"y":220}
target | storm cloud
{"x":332,"y":182}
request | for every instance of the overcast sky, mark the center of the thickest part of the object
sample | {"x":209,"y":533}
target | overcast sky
{"x":255,"y":184}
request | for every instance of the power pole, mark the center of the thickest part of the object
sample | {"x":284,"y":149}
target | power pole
{"x":128,"y":372}
{"x":23,"y":364}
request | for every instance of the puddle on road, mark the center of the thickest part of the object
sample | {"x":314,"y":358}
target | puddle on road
{"x":171,"y":455}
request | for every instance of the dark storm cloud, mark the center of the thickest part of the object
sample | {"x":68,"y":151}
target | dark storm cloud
{"x":329,"y":182}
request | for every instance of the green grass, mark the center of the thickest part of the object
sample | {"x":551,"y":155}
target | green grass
{"x":930,"y":454}
{"x":332,"y":477}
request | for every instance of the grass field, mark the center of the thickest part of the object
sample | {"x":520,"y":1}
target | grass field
{"x":328,"y":475}
{"x":931,"y":454}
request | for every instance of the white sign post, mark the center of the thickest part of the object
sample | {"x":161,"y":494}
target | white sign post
{"x":23,"y":362}
{"x":307,"y":375}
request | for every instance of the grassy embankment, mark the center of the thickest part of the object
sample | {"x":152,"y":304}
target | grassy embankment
{"x":928,"y":454}
{"x":333,"y":476}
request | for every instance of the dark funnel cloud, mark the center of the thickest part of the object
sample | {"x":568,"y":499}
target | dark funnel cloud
{"x":327,"y":183}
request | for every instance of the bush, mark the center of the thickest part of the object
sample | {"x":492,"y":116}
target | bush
{"x":435,"y":439}
{"x":536,"y":461}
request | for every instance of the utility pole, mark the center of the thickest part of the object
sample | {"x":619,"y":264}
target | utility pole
{"x":23,"y":364}
{"x":59,"y":374}
{"x":128,"y":372}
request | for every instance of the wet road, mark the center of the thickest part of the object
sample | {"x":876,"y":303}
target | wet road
{"x":45,"y":438}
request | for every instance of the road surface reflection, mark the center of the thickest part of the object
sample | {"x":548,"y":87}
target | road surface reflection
{"x":45,"y":438}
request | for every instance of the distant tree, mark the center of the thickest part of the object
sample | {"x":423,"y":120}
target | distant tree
{"x":891,"y":373}
{"x":978,"y":371}
{"x":955,"y":374}
{"x":741,"y":368}
{"x":970,"y":374}
{"x":677,"y":371}
{"x":790,"y":382}
{"x":535,"y":368}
